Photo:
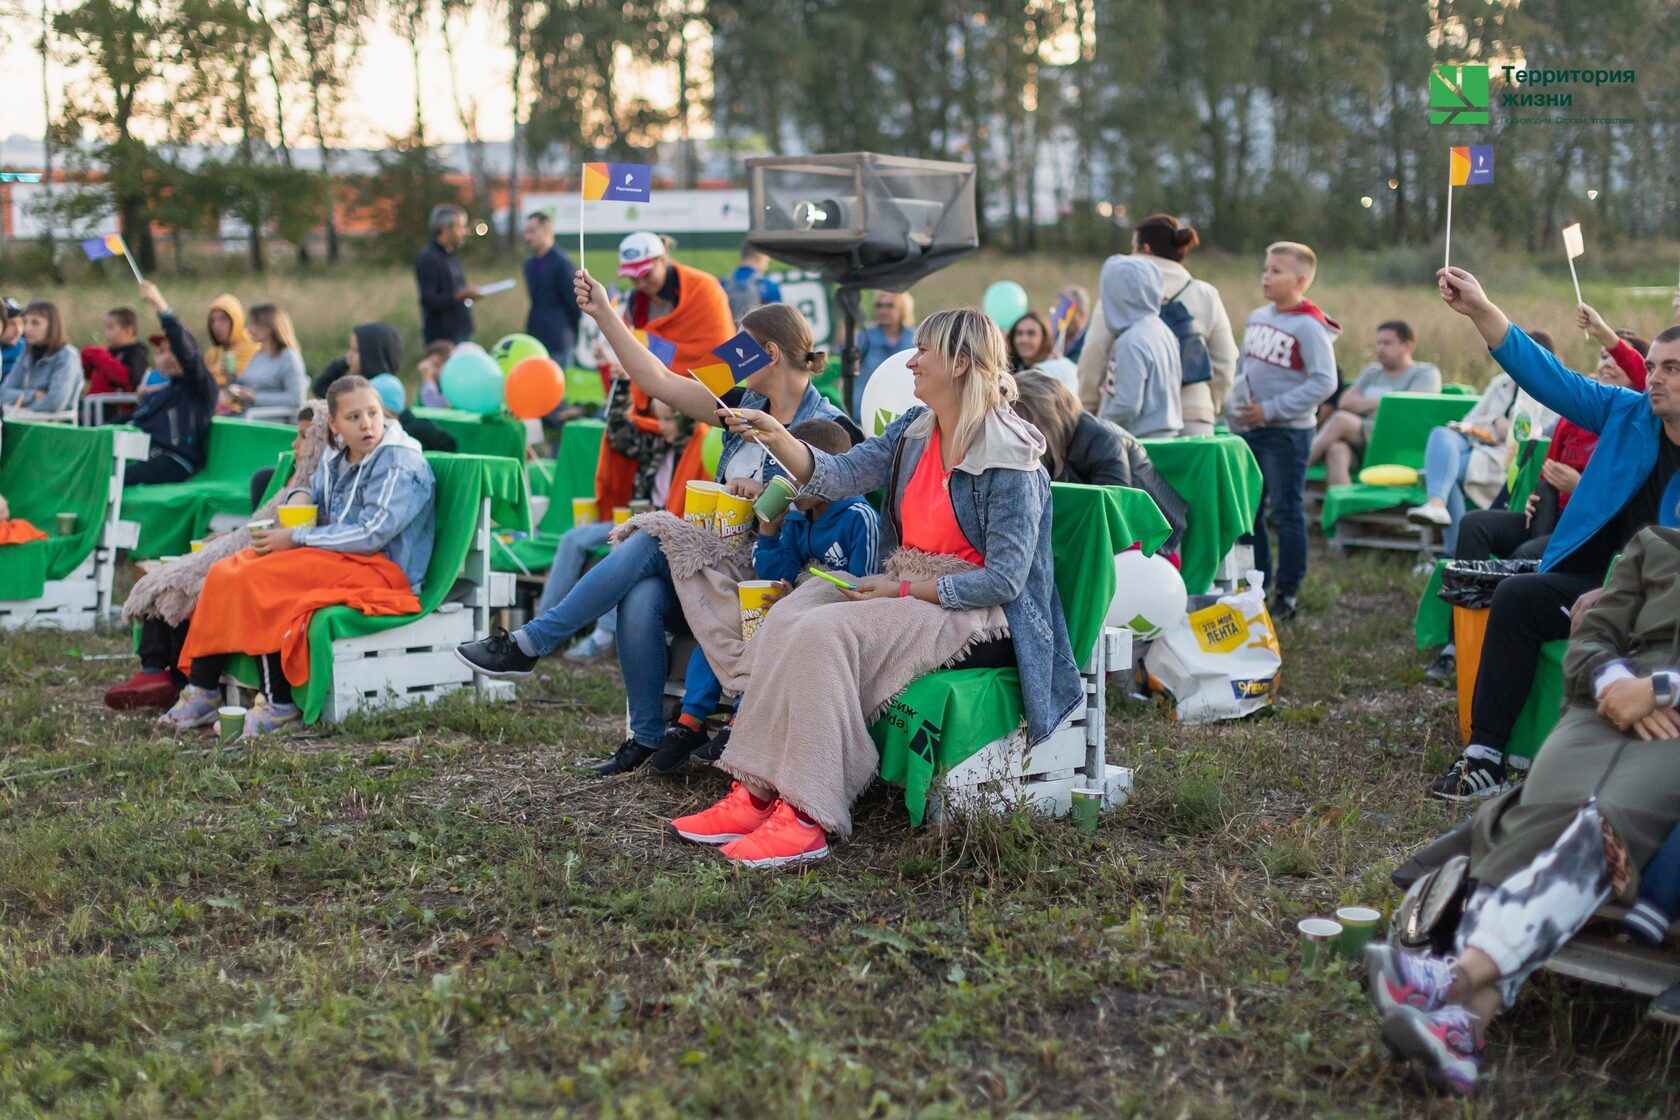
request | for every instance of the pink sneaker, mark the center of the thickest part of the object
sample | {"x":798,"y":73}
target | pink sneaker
{"x":782,"y":840}
{"x":1395,"y":979}
{"x":1441,"y":1042}
{"x":196,"y":708}
{"x":727,"y":821}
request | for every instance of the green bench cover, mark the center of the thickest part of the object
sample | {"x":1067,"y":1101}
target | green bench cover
{"x":1398,"y":438}
{"x":497,"y":434}
{"x":943,"y":718}
{"x":172,"y":515}
{"x":45,"y":470}
{"x":1220,"y":479}
{"x":572,"y":476}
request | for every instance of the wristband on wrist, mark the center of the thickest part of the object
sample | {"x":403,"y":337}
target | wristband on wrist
{"x":904,"y":589}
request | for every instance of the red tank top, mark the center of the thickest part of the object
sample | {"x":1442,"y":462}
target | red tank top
{"x":930,"y":523}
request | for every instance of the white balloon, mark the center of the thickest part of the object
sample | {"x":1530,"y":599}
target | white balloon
{"x":890,"y":393}
{"x":1149,"y":594}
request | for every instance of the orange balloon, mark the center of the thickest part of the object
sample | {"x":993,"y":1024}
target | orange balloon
{"x":534,"y":388}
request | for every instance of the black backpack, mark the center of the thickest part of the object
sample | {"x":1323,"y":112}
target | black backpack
{"x":1192,"y":350}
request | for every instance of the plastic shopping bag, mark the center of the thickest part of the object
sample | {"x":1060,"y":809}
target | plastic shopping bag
{"x":1221,"y":661}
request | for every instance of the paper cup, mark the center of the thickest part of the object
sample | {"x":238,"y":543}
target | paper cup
{"x":196,"y":545}
{"x":700,"y":502}
{"x":734,"y":516}
{"x":621,"y":514}
{"x":1359,"y":926}
{"x":583,"y":511}
{"x":231,"y":722}
{"x":640,"y":506}
{"x":756,"y":596}
{"x":1318,"y":940}
{"x":296,"y":517}
{"x":1086,"y":808}
{"x":67,"y":523}
{"x":777,"y":497}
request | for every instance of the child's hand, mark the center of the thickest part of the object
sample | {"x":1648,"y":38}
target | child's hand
{"x":1251,"y":415}
{"x":265,"y":541}
{"x":771,"y":528}
{"x":748,"y":488}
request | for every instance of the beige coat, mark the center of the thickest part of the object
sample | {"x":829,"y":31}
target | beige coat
{"x":1201,"y":402}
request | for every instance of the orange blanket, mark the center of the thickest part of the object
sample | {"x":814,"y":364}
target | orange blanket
{"x":259,"y":604}
{"x":19,"y":531}
{"x":700,"y":321}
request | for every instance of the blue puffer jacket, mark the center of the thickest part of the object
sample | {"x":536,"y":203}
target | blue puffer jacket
{"x":1001,"y":496}
{"x":381,"y":504}
{"x":1627,"y":429}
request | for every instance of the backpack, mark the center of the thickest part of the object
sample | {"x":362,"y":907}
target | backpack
{"x":743,"y":292}
{"x":1192,"y":349}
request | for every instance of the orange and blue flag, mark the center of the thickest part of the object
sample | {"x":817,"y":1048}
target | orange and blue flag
{"x":743,"y":355}
{"x":98,"y":248}
{"x":617,"y":182}
{"x":1060,"y":316}
{"x":1472,"y":166}
{"x":662,"y":348}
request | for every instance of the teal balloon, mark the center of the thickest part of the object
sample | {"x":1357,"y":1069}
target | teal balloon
{"x":472,"y":381}
{"x":1005,"y":303}
{"x":515,"y":348}
{"x":390,"y":389}
{"x":711,"y":451}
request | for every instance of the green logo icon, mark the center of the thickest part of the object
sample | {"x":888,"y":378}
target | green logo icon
{"x":1458,"y":95}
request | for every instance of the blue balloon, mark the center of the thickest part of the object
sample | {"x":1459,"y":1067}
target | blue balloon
{"x":472,"y":381}
{"x":390,"y":389}
{"x":1005,"y":302}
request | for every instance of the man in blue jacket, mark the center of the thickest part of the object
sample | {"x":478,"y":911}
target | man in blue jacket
{"x":1628,"y":484}
{"x":553,"y":317}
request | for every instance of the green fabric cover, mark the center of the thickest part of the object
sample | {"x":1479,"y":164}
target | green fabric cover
{"x":173,"y":514}
{"x":541,"y":474}
{"x":1398,"y":438}
{"x":1220,"y":479}
{"x":1545,"y":703}
{"x":1432,"y":624}
{"x":45,"y":470}
{"x":497,"y":434}
{"x":463,"y":481}
{"x":583,"y":386}
{"x":573,"y":476}
{"x":943,"y":718}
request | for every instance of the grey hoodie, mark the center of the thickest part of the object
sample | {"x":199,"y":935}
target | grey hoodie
{"x":1142,"y":392}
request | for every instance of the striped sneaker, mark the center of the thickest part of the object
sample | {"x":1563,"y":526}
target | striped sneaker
{"x":1395,"y":979}
{"x":1441,"y":1042}
{"x":782,"y":840}
{"x":1470,"y":779}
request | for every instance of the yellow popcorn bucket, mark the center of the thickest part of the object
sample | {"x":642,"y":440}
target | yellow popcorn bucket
{"x":756,"y":596}
{"x":294,"y":517}
{"x":583,"y":511}
{"x":621,"y":514}
{"x":733,"y":517}
{"x":197,"y":545}
{"x":700,"y":502}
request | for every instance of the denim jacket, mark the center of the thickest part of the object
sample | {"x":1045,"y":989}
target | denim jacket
{"x":812,"y":406}
{"x":1001,"y":497}
{"x":382,"y":504}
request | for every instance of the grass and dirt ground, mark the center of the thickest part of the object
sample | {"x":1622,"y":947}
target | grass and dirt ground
{"x":435,"y":913}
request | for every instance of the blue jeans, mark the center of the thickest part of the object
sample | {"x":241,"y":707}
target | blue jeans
{"x":1446,"y":460}
{"x":570,"y":559}
{"x":1282,"y":454}
{"x":701,"y":688}
{"x":636,"y":579}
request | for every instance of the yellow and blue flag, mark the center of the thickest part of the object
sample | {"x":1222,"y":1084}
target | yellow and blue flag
{"x":662,"y":348}
{"x":617,"y":182}
{"x":743,"y":355}
{"x":1060,"y":316}
{"x":1472,"y":166}
{"x":98,"y":248}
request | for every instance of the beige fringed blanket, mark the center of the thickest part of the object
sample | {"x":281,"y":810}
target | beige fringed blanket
{"x":705,"y":570}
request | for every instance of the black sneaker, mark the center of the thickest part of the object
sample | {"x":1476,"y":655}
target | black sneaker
{"x":713,"y":750}
{"x":496,"y":656}
{"x":1470,"y":779}
{"x":1283,"y":608}
{"x":626,"y":758}
{"x":680,"y":741}
{"x":1443,"y":670}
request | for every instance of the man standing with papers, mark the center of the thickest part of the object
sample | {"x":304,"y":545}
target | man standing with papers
{"x":445,"y":298}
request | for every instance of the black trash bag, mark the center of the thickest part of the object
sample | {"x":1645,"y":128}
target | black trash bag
{"x":1471,"y":583}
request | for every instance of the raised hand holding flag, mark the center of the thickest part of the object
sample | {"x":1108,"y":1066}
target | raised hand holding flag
{"x":111,"y":245}
{"x":1573,"y":246}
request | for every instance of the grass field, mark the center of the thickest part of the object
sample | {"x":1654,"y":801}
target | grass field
{"x":1359,"y":291}
{"x":433,"y":914}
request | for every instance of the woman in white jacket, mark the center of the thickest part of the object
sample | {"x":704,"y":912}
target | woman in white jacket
{"x":1165,"y":243}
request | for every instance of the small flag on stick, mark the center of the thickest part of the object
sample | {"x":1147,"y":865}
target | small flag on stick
{"x":662,"y":348}
{"x":612,"y":182}
{"x":1573,"y":247}
{"x":1470,"y":166}
{"x":1060,"y":316}
{"x":743,"y":355}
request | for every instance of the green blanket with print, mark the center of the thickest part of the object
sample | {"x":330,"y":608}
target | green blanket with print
{"x":45,"y":470}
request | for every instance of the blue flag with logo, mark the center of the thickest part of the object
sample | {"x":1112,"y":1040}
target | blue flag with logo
{"x":743,"y":356}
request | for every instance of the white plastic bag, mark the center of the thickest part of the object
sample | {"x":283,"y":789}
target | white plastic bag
{"x":1220,"y":662}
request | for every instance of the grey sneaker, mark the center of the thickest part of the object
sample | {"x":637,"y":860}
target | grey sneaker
{"x":593,"y":646}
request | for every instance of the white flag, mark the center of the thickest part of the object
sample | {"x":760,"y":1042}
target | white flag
{"x":1572,"y":240}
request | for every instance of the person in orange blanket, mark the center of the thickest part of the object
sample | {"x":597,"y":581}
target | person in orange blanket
{"x":684,"y":306}
{"x":375,"y":523}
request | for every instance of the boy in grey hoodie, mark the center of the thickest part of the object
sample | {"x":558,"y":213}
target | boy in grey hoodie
{"x":1288,"y":368}
{"x":1142,"y":391}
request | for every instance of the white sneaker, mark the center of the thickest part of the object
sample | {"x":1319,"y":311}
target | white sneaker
{"x":595,"y":645}
{"x":1430,"y":514}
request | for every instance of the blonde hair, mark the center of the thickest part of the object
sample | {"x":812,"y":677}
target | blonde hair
{"x":906,"y":306}
{"x":968,"y":332}
{"x":1303,"y":255}
{"x":782,"y":324}
{"x":277,"y":323}
{"x":1050,"y":406}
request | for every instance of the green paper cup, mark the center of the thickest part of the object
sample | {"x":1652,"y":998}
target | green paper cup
{"x":777,"y":497}
{"x":1359,"y":926}
{"x":231,"y":721}
{"x":67,"y":523}
{"x":1318,"y":940}
{"x":1087,"y":807}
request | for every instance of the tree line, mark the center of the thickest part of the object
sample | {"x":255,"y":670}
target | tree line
{"x":1244,"y":115}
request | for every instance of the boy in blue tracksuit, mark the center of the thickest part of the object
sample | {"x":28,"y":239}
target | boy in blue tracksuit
{"x":841,"y":536}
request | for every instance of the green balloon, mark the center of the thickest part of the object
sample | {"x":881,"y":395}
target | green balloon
{"x":1005,"y":301}
{"x":711,"y":451}
{"x":515,"y":348}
